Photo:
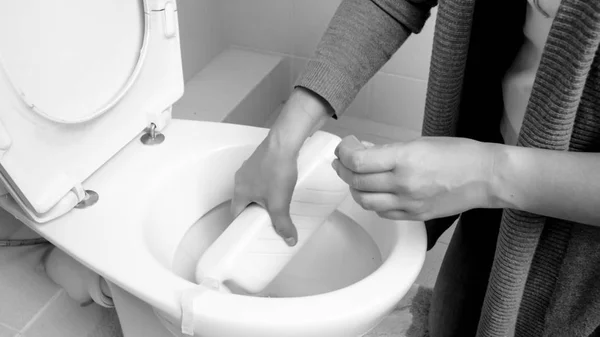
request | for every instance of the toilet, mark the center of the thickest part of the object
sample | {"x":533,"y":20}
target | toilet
{"x":91,"y":160}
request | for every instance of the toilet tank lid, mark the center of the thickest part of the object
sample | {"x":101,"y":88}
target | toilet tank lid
{"x":78,"y":81}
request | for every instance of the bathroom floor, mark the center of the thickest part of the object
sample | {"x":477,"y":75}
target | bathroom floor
{"x":397,"y":323}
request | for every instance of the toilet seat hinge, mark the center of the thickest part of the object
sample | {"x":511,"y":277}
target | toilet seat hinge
{"x":89,"y":199}
{"x":156,"y":123}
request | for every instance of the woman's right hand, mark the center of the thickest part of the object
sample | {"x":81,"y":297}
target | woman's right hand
{"x":269,"y":176}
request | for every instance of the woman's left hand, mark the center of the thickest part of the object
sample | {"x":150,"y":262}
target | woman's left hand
{"x":423,"y":179}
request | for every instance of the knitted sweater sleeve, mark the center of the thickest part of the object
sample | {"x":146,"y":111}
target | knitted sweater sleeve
{"x":362,"y":36}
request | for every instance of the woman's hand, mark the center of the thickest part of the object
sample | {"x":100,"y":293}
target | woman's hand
{"x":423,"y":179}
{"x":269,"y":176}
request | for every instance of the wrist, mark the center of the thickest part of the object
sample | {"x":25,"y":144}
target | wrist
{"x":302,"y":115}
{"x":501,"y":192}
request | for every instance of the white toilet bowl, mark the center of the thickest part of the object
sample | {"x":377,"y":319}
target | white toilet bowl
{"x":150,"y":208}
{"x":150,"y":197}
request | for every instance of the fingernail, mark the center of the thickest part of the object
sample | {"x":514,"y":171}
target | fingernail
{"x":367,"y":144}
{"x":290,"y":241}
{"x":354,"y":143}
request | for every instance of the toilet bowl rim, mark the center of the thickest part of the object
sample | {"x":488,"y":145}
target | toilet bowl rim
{"x":168,"y":300}
{"x":392,"y":279}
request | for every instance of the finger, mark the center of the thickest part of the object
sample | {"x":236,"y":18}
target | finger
{"x":351,"y":143}
{"x":279,"y":211}
{"x":368,"y":182}
{"x":378,"y":202}
{"x":359,"y":159}
{"x":395,"y":215}
{"x":367,"y":144}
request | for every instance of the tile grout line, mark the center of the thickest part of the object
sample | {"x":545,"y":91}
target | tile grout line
{"x":4,"y":325}
{"x":276,"y":53}
{"x":41,"y":311}
{"x":406,"y":77}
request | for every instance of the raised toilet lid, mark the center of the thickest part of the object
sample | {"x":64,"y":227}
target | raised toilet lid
{"x":79,"y":79}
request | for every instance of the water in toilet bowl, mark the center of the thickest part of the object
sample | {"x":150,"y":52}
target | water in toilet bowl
{"x":339,"y":254}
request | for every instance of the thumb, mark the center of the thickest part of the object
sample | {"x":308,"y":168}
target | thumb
{"x":282,"y":222}
{"x":367,"y":144}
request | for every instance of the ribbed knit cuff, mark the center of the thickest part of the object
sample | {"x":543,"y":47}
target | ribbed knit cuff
{"x":332,"y":84}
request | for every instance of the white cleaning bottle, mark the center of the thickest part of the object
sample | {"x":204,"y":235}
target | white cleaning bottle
{"x":249,"y":254}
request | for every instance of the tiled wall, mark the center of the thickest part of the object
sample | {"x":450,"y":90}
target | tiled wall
{"x":395,"y":95}
{"x":201,"y":35}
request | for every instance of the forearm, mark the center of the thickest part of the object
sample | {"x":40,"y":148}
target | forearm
{"x":564,"y":185}
{"x":302,"y":115}
{"x":362,"y":36}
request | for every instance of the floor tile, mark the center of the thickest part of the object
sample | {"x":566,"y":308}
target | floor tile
{"x":65,"y":318}
{"x":407,"y":299}
{"x":24,"y":286}
{"x":394,"y":325}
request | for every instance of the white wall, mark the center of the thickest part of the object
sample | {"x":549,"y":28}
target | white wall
{"x":200,"y":32}
{"x":395,"y":96}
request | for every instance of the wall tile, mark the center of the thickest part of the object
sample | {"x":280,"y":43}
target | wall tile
{"x":258,"y":24}
{"x":398,"y":101}
{"x":24,"y":286}
{"x":8,"y":224}
{"x":65,"y":318}
{"x":297,"y":66}
{"x":255,"y":109}
{"x":280,"y":84}
{"x":229,"y":79}
{"x":360,"y":106}
{"x":310,"y":18}
{"x":394,"y":324}
{"x":412,"y":59}
{"x":200,"y":34}
{"x":7,"y":332}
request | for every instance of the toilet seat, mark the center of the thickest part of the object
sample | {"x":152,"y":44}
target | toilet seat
{"x":112,"y":238}
{"x":68,"y":80}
